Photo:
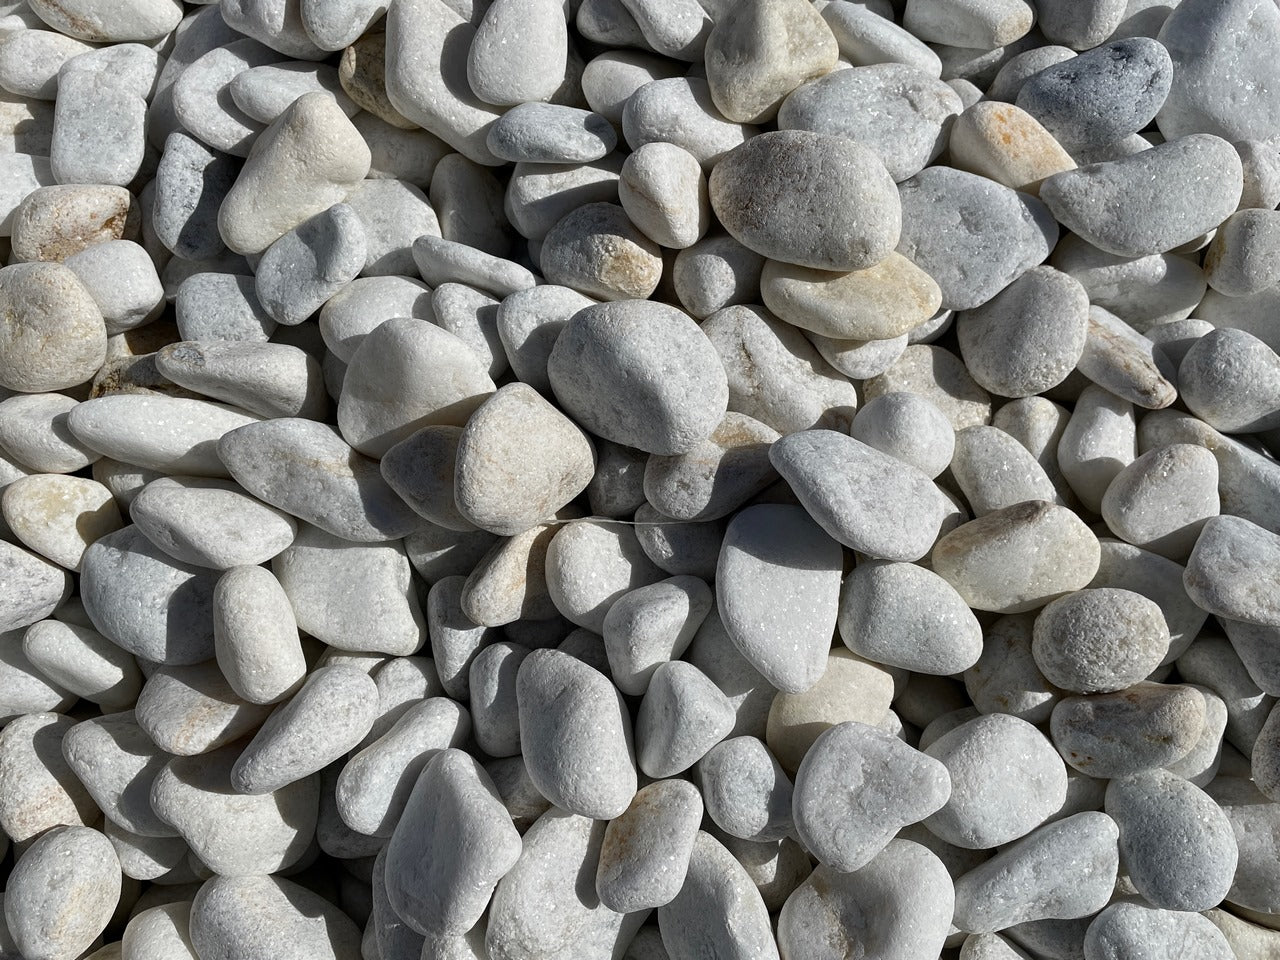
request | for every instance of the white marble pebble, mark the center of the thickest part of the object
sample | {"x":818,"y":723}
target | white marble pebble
{"x":646,"y":850}
{"x":220,"y":306}
{"x":1126,"y":363}
{"x":650,"y":626}
{"x":41,"y":789}
{"x":29,"y":293}
{"x":255,"y":635}
{"x":1230,"y":561}
{"x":746,"y":792}
{"x":455,"y":639}
{"x":26,"y":689}
{"x":683,"y":714}
{"x":59,"y":516}
{"x":1099,"y":640}
{"x":940,"y":377}
{"x":993,"y":470}
{"x":1138,"y":930}
{"x":1161,"y":501}
{"x":117,"y":762}
{"x":244,"y":917}
{"x":159,"y":932}
{"x":189,"y":710}
{"x":83,"y":662}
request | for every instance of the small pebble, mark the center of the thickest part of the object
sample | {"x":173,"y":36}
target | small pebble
{"x":1099,"y":640}
{"x":646,"y":850}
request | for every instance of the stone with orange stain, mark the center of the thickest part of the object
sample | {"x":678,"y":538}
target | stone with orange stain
{"x":598,"y":251}
{"x":646,"y":851}
{"x":1007,"y":144}
{"x":53,"y":223}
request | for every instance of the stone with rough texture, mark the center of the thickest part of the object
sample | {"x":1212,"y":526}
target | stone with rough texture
{"x":1229,"y":569}
{"x":1099,"y":640}
{"x":45,"y":306}
{"x":646,"y":850}
{"x":683,"y":714}
{"x":518,"y":53}
{"x":1140,"y":932}
{"x":1115,"y":734}
{"x":746,"y":791}
{"x":242,"y":917}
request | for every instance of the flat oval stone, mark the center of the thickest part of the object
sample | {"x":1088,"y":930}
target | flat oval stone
{"x":646,"y":851}
{"x":897,"y":110}
{"x":160,"y":931}
{"x":549,"y":133}
{"x":57,"y":337}
{"x":1152,"y":201}
{"x":683,"y":714}
{"x":982,"y":26}
{"x":518,"y":52}
{"x":243,"y":917}
{"x":746,"y":791}
{"x":777,"y":591}
{"x":55,"y":222}
{"x":117,"y":762}
{"x":1228,"y":568}
{"x":650,"y":626}
{"x":715,"y":477}
{"x":42,"y":790}
{"x":1161,"y":501}
{"x":1231,"y":380}
{"x":255,"y":635}
{"x":26,"y":689}
{"x":1116,"y":734}
{"x":420,"y":468}
{"x":1063,"y":870}
{"x":1151,"y":809}
{"x":58,"y":516}
{"x":84,"y":662}
{"x":104,"y":23}
{"x":1099,"y":640}
{"x":863,"y":498}
{"x":306,"y":469}
{"x":1006,"y":143}
{"x":1017,"y":558}
{"x":575,"y":734}
{"x":856,"y":788}
{"x":909,"y":428}
{"x":220,"y":306}
{"x":716,"y":272}
{"x":188,"y":710}
{"x":1257,"y":884}
{"x":202,"y":103}
{"x":267,"y":379}
{"x":680,"y":110}
{"x":772,"y":214}
{"x":609,"y":344}
{"x":62,"y":892}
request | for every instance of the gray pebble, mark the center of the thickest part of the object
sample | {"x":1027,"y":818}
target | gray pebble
{"x":972,"y":235}
{"x":715,"y":272}
{"x":518,"y":51}
{"x":1158,"y":579}
{"x":1006,"y":679}
{"x":1116,"y":734}
{"x":539,"y":195}
{"x":1192,"y":872}
{"x":265,"y":379}
{"x":354,"y":596}
{"x":393,"y":214}
{"x":221,"y":306}
{"x":507,"y":581}
{"x":747,"y":793}
{"x":1212,"y":663}
{"x":201,"y":96}
{"x":1063,"y":870}
{"x":35,"y":587}
{"x":870,"y":502}
{"x":191,"y":182}
{"x":680,"y":110}
{"x":1018,"y":69}
{"x":1141,"y":932}
{"x":1126,"y":363}
{"x":650,"y":626}
{"x":49,"y":304}
{"x":242,"y":917}
{"x":677,"y":547}
{"x":453,"y":845}
{"x":442,"y":261}
{"x":1229,"y":567}
{"x":682,"y":716}
{"x":549,"y":133}
{"x":971,"y":24}
{"x":30,"y":59}
{"x":646,"y":850}
{"x":861,"y":359}
{"x":255,"y":635}
{"x":529,"y":322}
{"x":897,"y":907}
{"x":25,"y":688}
{"x":856,"y":788}
{"x":62,"y":893}
{"x":575,"y":734}
{"x":305,"y":469}
{"x":42,"y":790}
{"x":1242,"y":247}
{"x":1099,"y":640}
{"x":617,"y":488}
{"x":1098,"y":442}
{"x":278,"y":26}
{"x":865,"y":36}
{"x":777,"y":591}
{"x":898,"y":111}
{"x":1146,"y":292}
{"x":310,"y":263}
{"x":1231,"y":380}
{"x":491,"y":685}
{"x":1161,"y":501}
{"x":717,"y":476}
{"x":84,"y":662}
{"x":907,"y":427}
{"x":472,"y":316}
{"x":906,"y":616}
{"x":420,"y":468}
{"x":1257,"y":882}
{"x":189,"y":710}
{"x":769,"y":213}
{"x":117,"y":762}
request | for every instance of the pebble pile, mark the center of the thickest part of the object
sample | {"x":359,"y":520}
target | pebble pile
{"x":639,"y":480}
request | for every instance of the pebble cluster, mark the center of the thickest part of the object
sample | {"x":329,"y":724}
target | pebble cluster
{"x":639,"y":479}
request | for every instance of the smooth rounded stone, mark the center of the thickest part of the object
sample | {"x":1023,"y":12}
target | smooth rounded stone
{"x":238,"y":918}
{"x":663,"y":191}
{"x":1161,"y":501}
{"x":680,"y":548}
{"x":354,"y":596}
{"x":972,"y":23}
{"x":1229,"y":567}
{"x":83,"y":662}
{"x":767,"y":49}
{"x":1261,"y":173}
{"x":391,"y":388}
{"x":777,"y":590}
{"x":59,"y":517}
{"x":392,"y":214}
{"x":328,"y":716}
{"x":772,"y":214}
{"x":529,"y":322}
{"x":987,"y":808}
{"x":539,"y":195}
{"x":421,"y":470}
{"x":776,"y":867}
{"x":777,"y":376}
{"x":519,"y":460}
{"x":518,"y":52}
{"x":906,"y":616}
{"x":303,"y":163}
{"x":646,"y":850}
{"x":1242,"y":247}
{"x":718,"y":912}
{"x":972,"y":235}
{"x":308,"y":264}
{"x":156,"y":432}
{"x":1062,"y":870}
{"x":1099,"y":640}
{"x":255,"y":635}
{"x":221,"y":306}
{"x":1140,"y":931}
{"x":575,"y":735}
{"x":1256,"y":647}
{"x":402,"y":682}
{"x":1017,"y":558}
{"x":546,"y":907}
{"x":1222,"y":60}
{"x":1212,"y":663}
{"x":898,"y":907}
{"x":306,"y":469}
{"x":549,"y":133}
{"x":455,"y":639}
{"x":599,"y":252}
{"x":850,"y":689}
{"x":276,"y":23}
{"x":604,"y":370}
{"x":909,"y":428}
{"x":41,"y":788}
{"x":1116,"y":207}
{"x":1102,"y":95}
{"x":30,"y":60}
{"x":264,"y":92}
{"x":1231,"y":380}
{"x":62,"y":893}
{"x":1006,"y":678}
{"x":1029,"y":337}
{"x":879,"y":302}
{"x":521,"y":797}
{"x":865,"y":499}
{"x":1256,"y":886}
{"x":48,"y":305}
{"x":189,"y":710}
{"x":617,"y":488}
{"x":1116,"y":734}
{"x":491,"y":685}
{"x":1157,"y":578}
{"x":1176,"y":843}
{"x":1125,"y":362}
{"x":715,"y":477}
{"x":860,"y":359}
{"x":158,"y":933}
{"x":716,"y":272}
{"x":1202,"y":763}
{"x":265,"y":379}
{"x":54,"y":222}
{"x":746,"y":791}
{"x":507,"y":581}
{"x":210,"y":523}
{"x":203,"y":104}
{"x":441,"y":261}
{"x":472,"y":316}
{"x":898,"y":111}
{"x":117,"y":762}
{"x":1020,"y":68}
{"x":25,"y":688}
{"x":683,"y":714}
{"x":439,"y":879}
{"x":34,"y":433}
{"x":1248,"y":941}
{"x":1038,"y":424}
{"x":680,"y":110}
{"x":867,"y":37}
{"x":436,"y":552}
{"x":856,"y":788}
{"x":143,"y":600}
{"x":610,"y":79}
{"x":365,"y":304}
{"x":649,"y":626}
{"x":122,"y":280}
{"x":590,"y":565}
{"x":1098,"y":442}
